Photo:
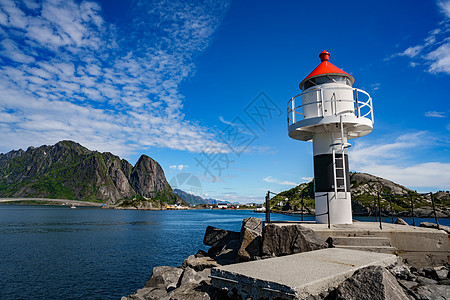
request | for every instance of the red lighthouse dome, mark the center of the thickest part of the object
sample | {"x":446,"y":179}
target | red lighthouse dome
{"x":325,"y":68}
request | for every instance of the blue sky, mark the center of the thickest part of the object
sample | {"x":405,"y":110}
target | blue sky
{"x":175,"y":80}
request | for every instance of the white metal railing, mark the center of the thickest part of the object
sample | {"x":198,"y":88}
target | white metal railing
{"x":361,"y":108}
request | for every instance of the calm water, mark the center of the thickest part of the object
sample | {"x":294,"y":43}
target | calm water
{"x":61,"y":253}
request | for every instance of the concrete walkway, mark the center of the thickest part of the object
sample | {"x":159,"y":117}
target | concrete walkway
{"x":296,"y":276}
{"x":419,"y":246}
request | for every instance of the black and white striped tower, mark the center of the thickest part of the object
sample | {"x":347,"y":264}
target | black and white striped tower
{"x":329,"y":111}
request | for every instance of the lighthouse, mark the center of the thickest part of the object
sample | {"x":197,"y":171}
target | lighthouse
{"x":330,"y":111}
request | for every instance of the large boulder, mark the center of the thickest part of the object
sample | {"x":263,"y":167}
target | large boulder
{"x":199,"y":263}
{"x":433,"y":292}
{"x":402,"y":271}
{"x":289,"y":239}
{"x":218,"y":238}
{"x":195,"y":291}
{"x":437,"y":273}
{"x":148,"y":294}
{"x":371,"y":282}
{"x":433,"y":225}
{"x":164,"y":277}
{"x":191,"y":276}
{"x":192,"y":291}
{"x":250,"y":241}
{"x":400,"y":221}
{"x":228,"y":254}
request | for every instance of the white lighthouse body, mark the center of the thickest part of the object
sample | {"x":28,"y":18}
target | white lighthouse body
{"x":329,"y":112}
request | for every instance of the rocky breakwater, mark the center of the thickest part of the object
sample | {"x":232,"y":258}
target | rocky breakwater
{"x":192,"y":280}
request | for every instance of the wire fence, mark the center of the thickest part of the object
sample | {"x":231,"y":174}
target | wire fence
{"x":384,"y":205}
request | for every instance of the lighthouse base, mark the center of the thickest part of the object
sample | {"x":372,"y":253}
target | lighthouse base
{"x":340,"y":208}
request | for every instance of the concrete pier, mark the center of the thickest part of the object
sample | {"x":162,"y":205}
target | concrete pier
{"x":296,"y":276}
{"x":418,"y":246}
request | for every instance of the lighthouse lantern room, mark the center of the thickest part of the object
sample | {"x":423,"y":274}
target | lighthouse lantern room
{"x":329,"y":111}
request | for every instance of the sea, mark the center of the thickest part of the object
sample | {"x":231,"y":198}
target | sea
{"x":55,"y":252}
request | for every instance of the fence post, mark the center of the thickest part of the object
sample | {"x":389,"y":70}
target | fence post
{"x":412,"y":209}
{"x":379,"y":210}
{"x":303,"y":206}
{"x":375,"y":208}
{"x":328,"y":211}
{"x":390,"y":204}
{"x":434,"y":210}
{"x":268,"y":207}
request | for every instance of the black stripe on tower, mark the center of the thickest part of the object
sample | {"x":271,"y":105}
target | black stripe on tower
{"x":324,"y":175}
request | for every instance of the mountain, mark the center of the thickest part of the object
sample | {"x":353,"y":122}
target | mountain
{"x":365,"y":189}
{"x":189,"y":198}
{"x":68,"y":170}
{"x":195,"y":200}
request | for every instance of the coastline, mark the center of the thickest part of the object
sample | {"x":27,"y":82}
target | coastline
{"x":418,"y":213}
{"x":37,"y":200}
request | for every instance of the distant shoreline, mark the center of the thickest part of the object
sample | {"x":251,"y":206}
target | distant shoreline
{"x":60,"y":201}
{"x":66,"y":202}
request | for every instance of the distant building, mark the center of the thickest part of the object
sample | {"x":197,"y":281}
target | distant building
{"x":222,"y":205}
{"x":175,"y":207}
{"x":260,"y":208}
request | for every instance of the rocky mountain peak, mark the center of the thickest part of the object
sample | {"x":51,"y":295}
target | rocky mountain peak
{"x":147,"y":177}
{"x":71,"y":171}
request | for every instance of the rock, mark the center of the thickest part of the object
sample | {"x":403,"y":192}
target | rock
{"x":428,"y":225}
{"x":250,"y":241}
{"x":400,"y":221}
{"x":401,"y":272}
{"x":199,"y":263}
{"x":190,"y":292}
{"x":437,"y":273}
{"x":425,"y":281}
{"x":250,"y":245}
{"x":433,"y":225}
{"x":285,"y":240}
{"x":201,"y":253}
{"x":216,"y":237}
{"x":433,"y":292}
{"x":427,"y":212}
{"x":147,"y":177}
{"x":408,"y":284}
{"x":252,"y":223}
{"x":190,"y":276}
{"x":371,"y":282}
{"x":149,"y":294}
{"x":441,"y":274}
{"x":228,"y":255}
{"x":187,"y":260}
{"x":164,"y":277}
{"x":213,"y":251}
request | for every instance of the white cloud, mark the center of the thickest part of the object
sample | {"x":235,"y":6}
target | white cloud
{"x":434,"y":51}
{"x":440,"y":59}
{"x":11,"y":51}
{"x":413,"y":51}
{"x":394,"y":161}
{"x":423,"y":175}
{"x":110,"y":88}
{"x":277,"y":181}
{"x":435,"y":114}
{"x":179,"y":167}
{"x":444,"y":5}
